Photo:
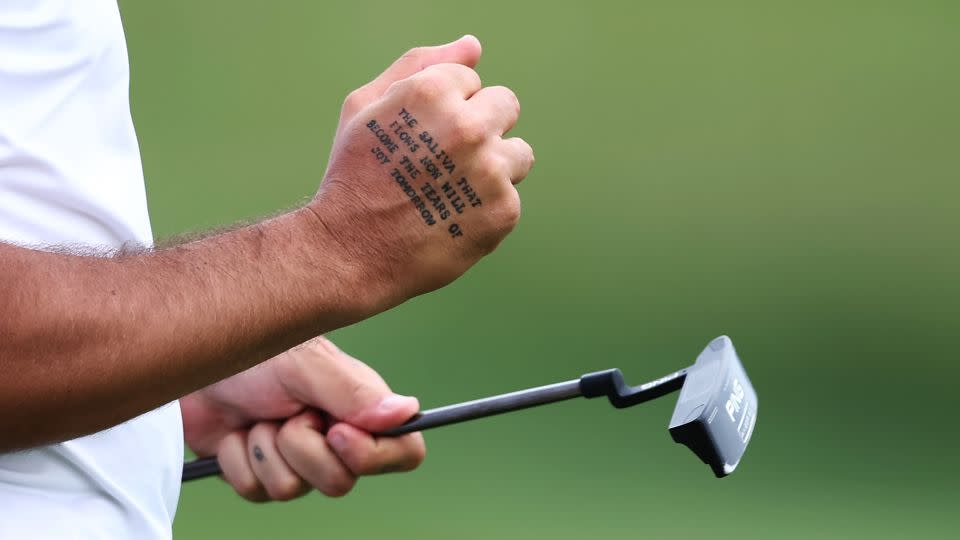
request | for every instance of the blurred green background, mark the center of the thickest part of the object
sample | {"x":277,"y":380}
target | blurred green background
{"x":782,"y":172}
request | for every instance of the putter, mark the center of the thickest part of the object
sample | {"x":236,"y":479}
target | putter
{"x":714,"y":415}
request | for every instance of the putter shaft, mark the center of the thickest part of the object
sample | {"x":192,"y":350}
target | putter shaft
{"x":479,"y":408}
{"x":607,"y":383}
{"x":441,"y":416}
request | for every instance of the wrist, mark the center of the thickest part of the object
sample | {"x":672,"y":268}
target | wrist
{"x":357,"y":287}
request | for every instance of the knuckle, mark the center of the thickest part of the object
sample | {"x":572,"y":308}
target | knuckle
{"x":511,"y":210}
{"x":500,"y":220}
{"x":286,"y":438}
{"x":259,"y":432}
{"x":361,"y":463}
{"x":492,"y":166}
{"x":285,"y":489}
{"x":466,"y":73}
{"x":355,"y":100}
{"x":427,"y":86}
{"x":526,"y":150}
{"x":337,"y":485}
{"x":362,"y":392}
{"x":469,"y":129}
{"x":396,"y":87}
{"x":509,"y":96}
{"x":526,"y":162}
{"x":248,"y":488}
{"x":417,"y":453}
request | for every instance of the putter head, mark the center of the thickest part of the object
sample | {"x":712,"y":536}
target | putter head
{"x":717,"y":408}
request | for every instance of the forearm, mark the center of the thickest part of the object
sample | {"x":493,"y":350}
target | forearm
{"x":88,"y":342}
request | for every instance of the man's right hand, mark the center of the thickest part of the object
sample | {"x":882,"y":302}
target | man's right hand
{"x":420,"y":183}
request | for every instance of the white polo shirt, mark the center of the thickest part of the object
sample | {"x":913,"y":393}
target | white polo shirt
{"x":70,"y":173}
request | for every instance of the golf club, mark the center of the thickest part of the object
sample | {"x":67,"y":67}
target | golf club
{"x":714,"y":416}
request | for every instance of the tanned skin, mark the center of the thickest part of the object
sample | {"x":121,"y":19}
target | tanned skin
{"x":89,"y":342}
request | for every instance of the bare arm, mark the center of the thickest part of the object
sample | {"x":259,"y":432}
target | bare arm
{"x":88,"y":342}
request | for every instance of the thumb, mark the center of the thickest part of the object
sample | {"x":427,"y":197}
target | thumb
{"x":320,"y":375}
{"x":465,"y":51}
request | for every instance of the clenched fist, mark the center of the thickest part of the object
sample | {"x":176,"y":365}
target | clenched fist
{"x":420,"y":183}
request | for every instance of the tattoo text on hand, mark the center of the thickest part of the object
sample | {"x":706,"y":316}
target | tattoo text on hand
{"x":423,"y":170}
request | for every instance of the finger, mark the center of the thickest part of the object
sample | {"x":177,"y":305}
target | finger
{"x":306,"y":451}
{"x":520,"y":156}
{"x":236,"y":468}
{"x":433,"y":81}
{"x":464,"y":51}
{"x":499,"y":105}
{"x":366,"y":455}
{"x":322,"y":376}
{"x":278,"y":479}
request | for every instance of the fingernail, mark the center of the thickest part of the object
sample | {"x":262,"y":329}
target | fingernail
{"x":337,"y":441}
{"x":392,"y":403}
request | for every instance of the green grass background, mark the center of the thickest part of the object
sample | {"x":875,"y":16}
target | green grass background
{"x":782,"y":172}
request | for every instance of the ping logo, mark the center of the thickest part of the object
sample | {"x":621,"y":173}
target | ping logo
{"x":735,"y":401}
